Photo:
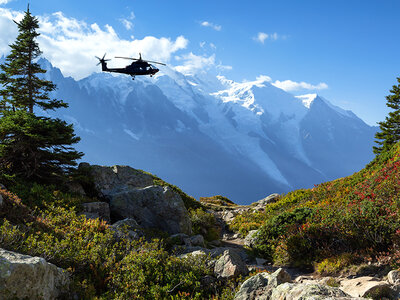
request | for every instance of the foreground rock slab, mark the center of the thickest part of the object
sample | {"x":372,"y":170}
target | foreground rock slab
{"x":27,"y":277}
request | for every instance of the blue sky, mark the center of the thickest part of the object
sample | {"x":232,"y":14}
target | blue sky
{"x":346,"y":51}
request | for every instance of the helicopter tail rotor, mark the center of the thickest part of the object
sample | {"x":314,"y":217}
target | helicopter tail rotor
{"x":102,"y":60}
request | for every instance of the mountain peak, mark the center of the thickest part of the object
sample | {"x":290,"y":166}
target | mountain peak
{"x":307,"y":99}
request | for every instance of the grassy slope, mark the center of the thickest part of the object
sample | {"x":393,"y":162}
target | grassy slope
{"x":358,"y":214}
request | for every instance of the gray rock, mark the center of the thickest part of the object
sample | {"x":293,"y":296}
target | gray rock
{"x":230,"y":265}
{"x":75,"y":188}
{"x":260,"y":286}
{"x":133,"y":195}
{"x":94,"y":210}
{"x":127,"y":228}
{"x":394,"y":277}
{"x":197,"y":240}
{"x":27,"y":277}
{"x":1,"y":200}
{"x":2,"y":186}
{"x":303,"y":291}
{"x":109,"y":180}
{"x":251,"y":238}
{"x":267,"y":200}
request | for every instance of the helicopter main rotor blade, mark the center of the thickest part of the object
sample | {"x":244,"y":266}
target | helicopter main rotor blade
{"x":127,"y":57}
{"x":154,"y":62}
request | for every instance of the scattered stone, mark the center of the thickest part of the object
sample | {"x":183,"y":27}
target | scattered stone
{"x":96,"y":210}
{"x":230,"y":265}
{"x":27,"y":277}
{"x":260,"y":286}
{"x":251,"y":238}
{"x":394,"y":277}
{"x":366,"y":287}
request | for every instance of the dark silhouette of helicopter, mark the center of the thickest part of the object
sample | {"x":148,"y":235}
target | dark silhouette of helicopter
{"x":137,"y":67}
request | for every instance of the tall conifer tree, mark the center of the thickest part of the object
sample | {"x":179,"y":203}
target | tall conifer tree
{"x":31,"y":146}
{"x":389,"y":133}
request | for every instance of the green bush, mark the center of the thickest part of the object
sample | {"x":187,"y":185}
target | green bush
{"x":205,"y":224}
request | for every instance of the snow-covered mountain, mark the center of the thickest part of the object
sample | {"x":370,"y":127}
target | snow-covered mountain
{"x":210,"y":135}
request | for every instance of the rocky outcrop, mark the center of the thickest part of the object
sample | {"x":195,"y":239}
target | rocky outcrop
{"x":230,"y":265}
{"x":132,"y":194}
{"x":27,"y":277}
{"x":260,"y":286}
{"x":96,"y":210}
{"x":260,"y":204}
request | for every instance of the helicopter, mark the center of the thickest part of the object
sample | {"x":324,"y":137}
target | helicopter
{"x":139,"y":66}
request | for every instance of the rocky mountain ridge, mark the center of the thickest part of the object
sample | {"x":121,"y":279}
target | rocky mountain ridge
{"x":210,"y":135}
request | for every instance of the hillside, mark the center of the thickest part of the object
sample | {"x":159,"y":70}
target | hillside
{"x":356,"y":217}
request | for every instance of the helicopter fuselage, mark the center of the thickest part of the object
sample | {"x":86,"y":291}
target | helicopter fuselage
{"x":134,"y":69}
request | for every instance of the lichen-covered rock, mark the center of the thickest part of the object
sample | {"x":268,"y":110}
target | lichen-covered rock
{"x":260,"y":286}
{"x":27,"y":277}
{"x":230,"y":265}
{"x":96,"y":210}
{"x":132,"y":194}
{"x":304,"y":291}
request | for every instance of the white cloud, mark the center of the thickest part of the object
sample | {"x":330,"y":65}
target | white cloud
{"x":195,"y":63}
{"x":211,"y":25}
{"x":262,"y":37}
{"x":9,"y":30}
{"x":290,"y":86}
{"x":4,"y":1}
{"x":71,"y":44}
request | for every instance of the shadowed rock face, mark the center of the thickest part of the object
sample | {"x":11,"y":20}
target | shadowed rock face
{"x":132,"y":194}
{"x":27,"y":277}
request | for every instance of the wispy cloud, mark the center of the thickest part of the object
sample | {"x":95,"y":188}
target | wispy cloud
{"x":127,"y":22}
{"x":262,"y":37}
{"x":290,"y":86}
{"x":4,"y":1}
{"x":211,"y":25}
{"x":192,"y":63}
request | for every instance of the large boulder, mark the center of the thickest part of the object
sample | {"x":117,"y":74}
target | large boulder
{"x":260,"y":286}
{"x":27,"y":277}
{"x":132,"y":194}
{"x":251,"y":238}
{"x":230,"y":265}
